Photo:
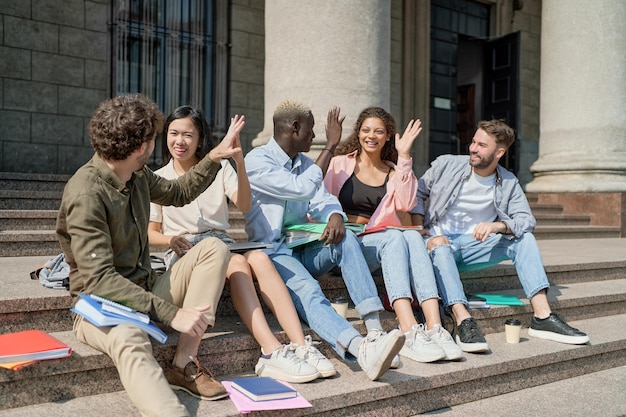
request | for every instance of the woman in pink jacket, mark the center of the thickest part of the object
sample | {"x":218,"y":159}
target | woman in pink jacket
{"x":373,"y":178}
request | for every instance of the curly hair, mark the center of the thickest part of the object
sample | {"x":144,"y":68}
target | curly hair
{"x":389,"y":152}
{"x":206,"y":141}
{"x":502,"y":133}
{"x":121,"y":124}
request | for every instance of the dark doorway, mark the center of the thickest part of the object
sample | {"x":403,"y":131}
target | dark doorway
{"x":472,"y":77}
{"x":501,"y":100}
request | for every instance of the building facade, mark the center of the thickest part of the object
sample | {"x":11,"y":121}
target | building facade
{"x":448,"y":62}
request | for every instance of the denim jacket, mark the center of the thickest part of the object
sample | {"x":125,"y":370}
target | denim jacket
{"x":441,"y":183}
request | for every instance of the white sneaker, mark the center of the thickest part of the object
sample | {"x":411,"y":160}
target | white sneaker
{"x":395,"y":362}
{"x":283,"y":364}
{"x":377,"y":350}
{"x":441,"y":337}
{"x":314,"y":357}
{"x":419,"y":347}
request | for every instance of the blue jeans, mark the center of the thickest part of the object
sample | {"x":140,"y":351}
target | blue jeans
{"x":464,"y":253}
{"x":404,"y":261}
{"x":313,"y":260}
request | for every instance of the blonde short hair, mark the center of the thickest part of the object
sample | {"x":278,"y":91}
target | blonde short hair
{"x":290,"y":110}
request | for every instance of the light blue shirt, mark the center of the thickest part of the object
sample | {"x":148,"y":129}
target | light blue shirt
{"x":441,"y":184}
{"x":284,"y":192}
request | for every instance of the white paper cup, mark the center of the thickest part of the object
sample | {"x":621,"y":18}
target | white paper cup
{"x":340,"y":304}
{"x":512,"y":329}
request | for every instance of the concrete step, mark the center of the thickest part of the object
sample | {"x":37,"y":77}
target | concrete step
{"x":25,"y":303}
{"x":28,"y":243}
{"x":576,"y":232}
{"x":32,"y":182}
{"x":28,"y":219}
{"x":594,"y":394}
{"x":588,"y":278}
{"x":30,"y":199}
{"x":546,"y":208}
{"x":562,"y":219}
{"x":412,"y":389}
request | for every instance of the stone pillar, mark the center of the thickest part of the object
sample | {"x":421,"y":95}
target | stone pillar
{"x":582,"y":145}
{"x":325,"y":53}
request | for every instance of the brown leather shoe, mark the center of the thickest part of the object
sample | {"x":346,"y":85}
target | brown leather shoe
{"x":195,"y":380}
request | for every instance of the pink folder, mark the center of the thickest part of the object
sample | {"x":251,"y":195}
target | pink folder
{"x":246,"y":405}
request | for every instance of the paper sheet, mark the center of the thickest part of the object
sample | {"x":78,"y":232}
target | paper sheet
{"x":246,"y":405}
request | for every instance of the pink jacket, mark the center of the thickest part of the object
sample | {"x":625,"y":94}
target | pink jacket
{"x":401,"y":188}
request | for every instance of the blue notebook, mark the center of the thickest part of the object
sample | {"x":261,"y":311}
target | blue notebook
{"x":263,"y":388}
{"x":92,"y":310}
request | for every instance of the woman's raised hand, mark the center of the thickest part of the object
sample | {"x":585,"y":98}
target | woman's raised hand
{"x":229,"y":146}
{"x":405,"y":143}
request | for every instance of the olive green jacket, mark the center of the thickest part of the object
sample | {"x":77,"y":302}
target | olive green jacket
{"x":102,"y":227}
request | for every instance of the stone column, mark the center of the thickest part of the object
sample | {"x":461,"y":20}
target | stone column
{"x":325,"y":53}
{"x":582,"y":145}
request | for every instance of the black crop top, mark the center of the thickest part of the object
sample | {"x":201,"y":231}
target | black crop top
{"x":361,"y":199}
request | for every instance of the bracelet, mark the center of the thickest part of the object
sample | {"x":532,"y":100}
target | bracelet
{"x":329,"y":150}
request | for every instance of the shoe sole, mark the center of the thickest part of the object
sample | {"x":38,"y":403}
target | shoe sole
{"x":392,"y":349}
{"x":408,"y":353}
{"x":196,"y":395}
{"x":472,"y":347}
{"x":453,"y":356}
{"x":264,"y":370}
{"x":556,"y":337}
{"x":328,"y":373}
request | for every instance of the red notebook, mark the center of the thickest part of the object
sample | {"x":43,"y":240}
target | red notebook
{"x":31,"y":345}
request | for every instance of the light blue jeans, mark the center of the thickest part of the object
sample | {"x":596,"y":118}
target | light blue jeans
{"x":313,"y":260}
{"x":464,"y":253}
{"x":405,"y":263}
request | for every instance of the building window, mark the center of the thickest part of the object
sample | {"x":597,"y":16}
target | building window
{"x":169,"y":51}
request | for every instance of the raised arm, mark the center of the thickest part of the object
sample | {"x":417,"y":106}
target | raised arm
{"x":229,"y":147}
{"x":333,"y":128}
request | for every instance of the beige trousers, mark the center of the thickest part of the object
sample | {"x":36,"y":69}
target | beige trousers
{"x":197,"y":279}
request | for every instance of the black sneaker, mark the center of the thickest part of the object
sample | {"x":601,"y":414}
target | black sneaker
{"x":554,"y":328}
{"x":469,"y":337}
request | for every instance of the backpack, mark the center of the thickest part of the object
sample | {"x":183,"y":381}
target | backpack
{"x":54,"y":274}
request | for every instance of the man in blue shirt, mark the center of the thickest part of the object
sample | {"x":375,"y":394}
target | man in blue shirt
{"x":477,"y":215}
{"x":287,"y":189}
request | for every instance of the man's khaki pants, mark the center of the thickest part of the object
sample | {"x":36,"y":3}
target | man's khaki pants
{"x":197,"y":279}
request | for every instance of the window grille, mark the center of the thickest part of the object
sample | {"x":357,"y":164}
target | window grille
{"x":171,"y":51}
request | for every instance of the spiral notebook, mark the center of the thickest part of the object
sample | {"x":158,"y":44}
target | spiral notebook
{"x":93,"y":310}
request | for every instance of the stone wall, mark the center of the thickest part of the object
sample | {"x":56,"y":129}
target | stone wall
{"x":53,"y":73}
{"x":247,"y":65}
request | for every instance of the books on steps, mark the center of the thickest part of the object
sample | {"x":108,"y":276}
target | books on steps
{"x":102,"y":312}
{"x":476,"y":302}
{"x":263,"y":388}
{"x":501,"y":299}
{"x":30,"y":345}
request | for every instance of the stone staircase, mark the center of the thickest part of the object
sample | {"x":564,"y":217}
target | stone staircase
{"x":29,"y":204}
{"x":553,"y":223}
{"x":588,"y":278}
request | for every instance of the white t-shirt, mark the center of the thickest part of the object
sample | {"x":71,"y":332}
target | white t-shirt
{"x":208,"y":211}
{"x":473,"y":205}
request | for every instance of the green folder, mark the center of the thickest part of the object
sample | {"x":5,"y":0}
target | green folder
{"x":501,"y":299}
{"x":301,"y":234}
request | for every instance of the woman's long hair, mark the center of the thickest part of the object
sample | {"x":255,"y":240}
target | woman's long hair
{"x":389,"y":152}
